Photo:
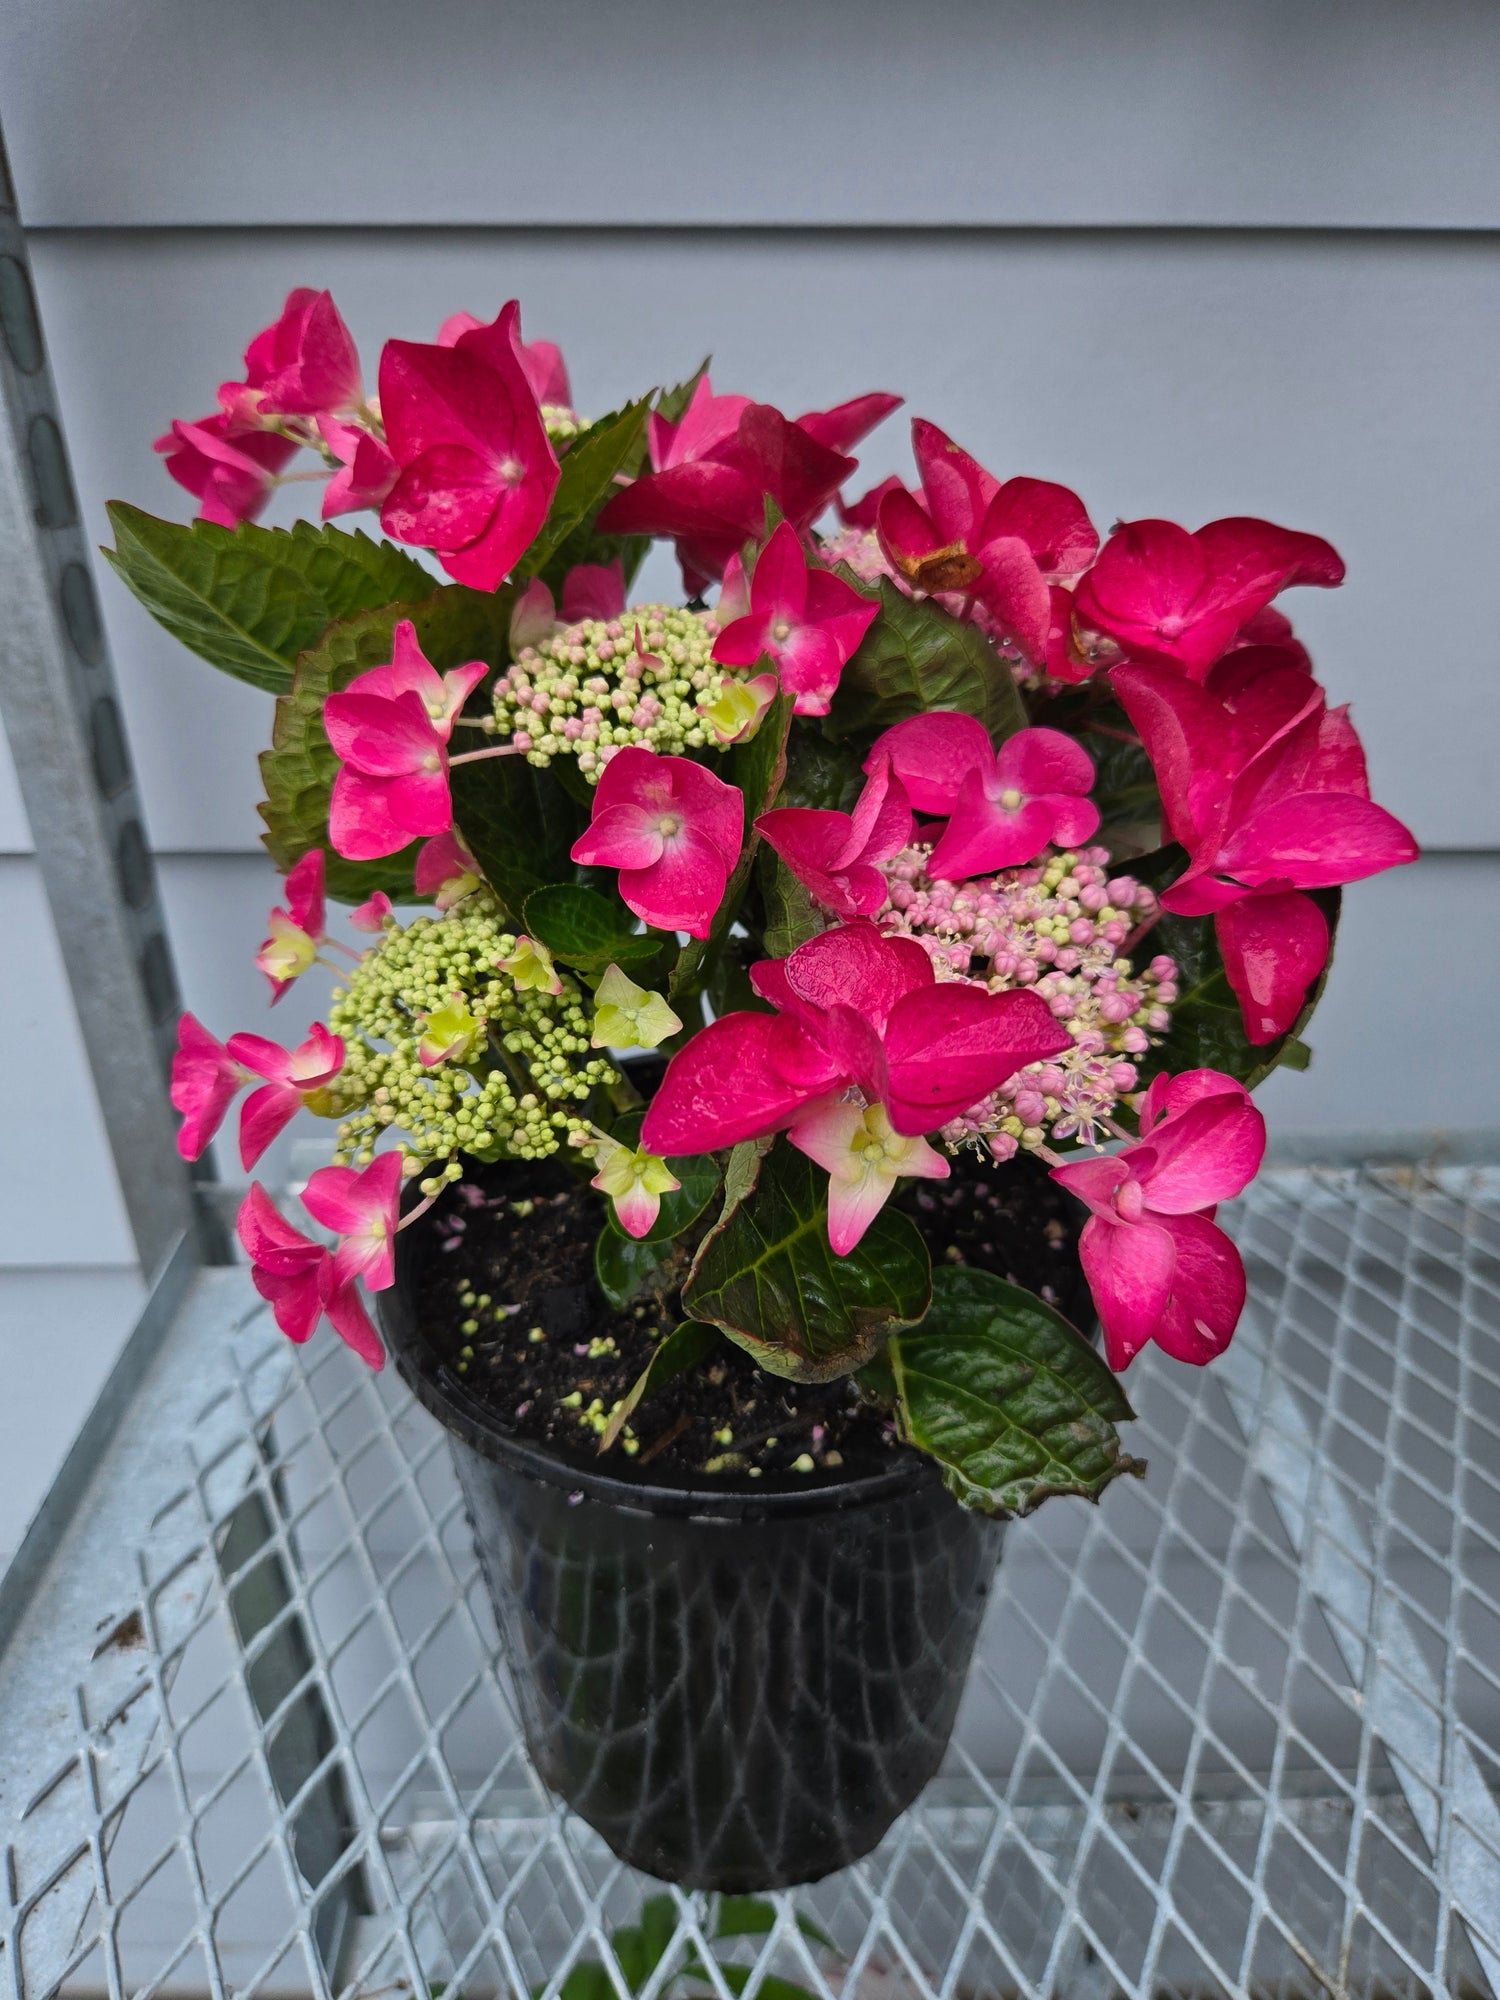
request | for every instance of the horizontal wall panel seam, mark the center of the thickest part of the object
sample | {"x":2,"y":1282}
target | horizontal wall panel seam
{"x":936,"y":229}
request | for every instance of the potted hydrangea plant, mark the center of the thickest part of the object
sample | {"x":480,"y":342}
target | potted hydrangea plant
{"x":827,"y":995}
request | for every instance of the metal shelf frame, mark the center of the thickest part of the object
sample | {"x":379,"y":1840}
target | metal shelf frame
{"x":1235,"y":1731}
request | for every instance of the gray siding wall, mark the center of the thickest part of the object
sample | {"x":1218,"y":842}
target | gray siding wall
{"x":1191,"y":260}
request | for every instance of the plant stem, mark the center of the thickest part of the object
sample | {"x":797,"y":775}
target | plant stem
{"x":474,"y":756}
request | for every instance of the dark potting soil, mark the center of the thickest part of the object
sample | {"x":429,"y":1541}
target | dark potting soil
{"x":507,"y":1297}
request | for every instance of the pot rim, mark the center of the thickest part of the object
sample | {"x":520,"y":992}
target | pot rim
{"x":446,"y":1397}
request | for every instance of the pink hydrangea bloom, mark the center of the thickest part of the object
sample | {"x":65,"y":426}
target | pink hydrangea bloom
{"x":1165,"y":595}
{"x":806,"y":619}
{"x":477,"y":469}
{"x":373,"y":913}
{"x":672,"y":829}
{"x":542,"y":360}
{"x":1158,"y":1266}
{"x":971,"y":536}
{"x":837,"y":855}
{"x":390,"y":728}
{"x":367,"y":474}
{"x":1266,"y":788}
{"x":205,"y":1080}
{"x":714,"y":470}
{"x":863,"y":1156}
{"x":291,"y":1077}
{"x":232,"y":474}
{"x":855,"y":1010}
{"x":362,"y":1206}
{"x":1003,"y":807}
{"x":445,"y":870}
{"x":300,"y":1280}
{"x":304,"y":364}
{"x":297,"y":930}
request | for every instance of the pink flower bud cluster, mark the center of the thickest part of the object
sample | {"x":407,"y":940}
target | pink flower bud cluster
{"x":1057,"y":927}
{"x":643,"y":678}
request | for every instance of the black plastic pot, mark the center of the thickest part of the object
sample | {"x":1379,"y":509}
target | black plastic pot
{"x":738,"y":1690}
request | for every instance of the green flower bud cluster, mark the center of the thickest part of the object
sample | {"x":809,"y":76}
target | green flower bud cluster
{"x":645,"y":677}
{"x":505,"y":1091}
{"x":560,"y":423}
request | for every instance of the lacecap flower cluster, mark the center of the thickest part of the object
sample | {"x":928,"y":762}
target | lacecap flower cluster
{"x":1059,"y":928}
{"x":646,"y":678}
{"x":444,"y":1046}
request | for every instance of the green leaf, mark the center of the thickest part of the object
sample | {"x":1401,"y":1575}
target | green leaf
{"x":821,"y":773}
{"x":768,"y":1276}
{"x":916,"y":657}
{"x":453,"y":625}
{"x":672,"y":403}
{"x":791,"y":915}
{"x":248,"y":599}
{"x":1208,"y":1029}
{"x":588,"y":930}
{"x":627,"y":1268}
{"x":758,"y":768}
{"x":685,"y":1347}
{"x":1011,"y":1400}
{"x":520,"y":824}
{"x":752,"y":1916}
{"x":586,"y":481}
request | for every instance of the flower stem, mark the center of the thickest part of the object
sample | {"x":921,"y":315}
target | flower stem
{"x":421,"y":1209}
{"x":474,"y":756}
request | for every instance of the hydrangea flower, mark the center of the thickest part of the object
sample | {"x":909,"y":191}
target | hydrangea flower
{"x":1002,"y":807}
{"x":673,"y":830}
{"x":1058,"y":929}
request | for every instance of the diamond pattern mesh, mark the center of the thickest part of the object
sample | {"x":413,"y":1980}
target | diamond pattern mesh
{"x":1235,"y":1731}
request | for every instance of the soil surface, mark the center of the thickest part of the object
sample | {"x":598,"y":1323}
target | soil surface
{"x":505,"y":1294}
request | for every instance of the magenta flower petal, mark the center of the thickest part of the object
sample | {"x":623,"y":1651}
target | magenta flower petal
{"x":1094,"y":1181}
{"x":361,"y":824}
{"x":1015,"y":593}
{"x":856,"y":966}
{"x":951,"y":1044}
{"x":1129,"y":1267}
{"x":1202,"y":1155}
{"x":1273,"y":947}
{"x":1208,"y":1291}
{"x":295,"y":1298}
{"x":265,"y":1113}
{"x":932,"y":755}
{"x":1049,"y":519}
{"x":383,"y":736}
{"x":845,"y":426}
{"x":348,"y":1316}
{"x":1316,"y":840}
{"x":984,"y":835}
{"x":725,"y":1085}
{"x":361,"y":1206}
{"x":1037,"y":761}
{"x":1168,"y":1095}
{"x":205,"y":1078}
{"x":622,"y":836}
{"x":593,"y":590}
{"x":682,"y":889}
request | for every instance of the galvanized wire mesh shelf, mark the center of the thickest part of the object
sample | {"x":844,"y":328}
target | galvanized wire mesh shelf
{"x":1235,"y":1731}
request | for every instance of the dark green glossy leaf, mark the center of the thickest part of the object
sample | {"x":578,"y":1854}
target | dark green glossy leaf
{"x":627,"y":1269}
{"x":520,"y":824}
{"x":586,"y":480}
{"x":1011,"y":1400}
{"x":820,"y":772}
{"x":916,"y":657}
{"x":767,"y":1275}
{"x":588,"y":930}
{"x":686,"y":1347}
{"x":757,"y":767}
{"x":249,"y":599}
{"x":453,"y":625}
{"x":1208,"y":1029}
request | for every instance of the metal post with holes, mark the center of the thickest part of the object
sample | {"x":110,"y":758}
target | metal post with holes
{"x":61,"y":710}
